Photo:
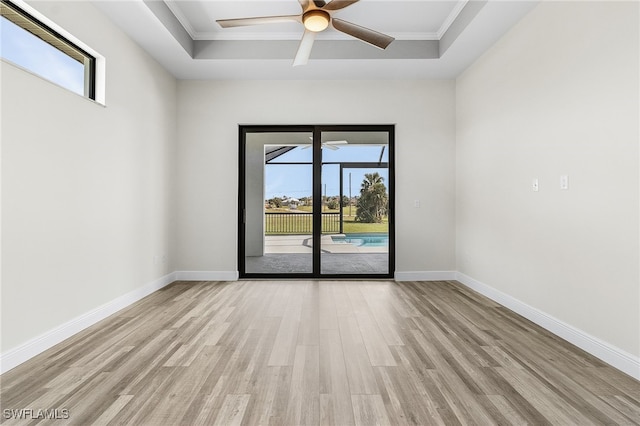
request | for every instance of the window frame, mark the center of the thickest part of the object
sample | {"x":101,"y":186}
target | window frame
{"x":58,"y":41}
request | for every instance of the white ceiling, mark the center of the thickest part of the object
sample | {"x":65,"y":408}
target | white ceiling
{"x":434,"y":39}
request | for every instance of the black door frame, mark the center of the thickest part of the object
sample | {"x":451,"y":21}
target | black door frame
{"x":317,"y":131}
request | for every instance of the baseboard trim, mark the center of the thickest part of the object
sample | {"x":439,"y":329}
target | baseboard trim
{"x":16,"y":356}
{"x":425,"y":276}
{"x":604,"y":351}
{"x":207,"y":275}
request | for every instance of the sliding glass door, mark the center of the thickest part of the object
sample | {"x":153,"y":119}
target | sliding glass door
{"x":316,"y":201}
{"x":278,"y":217}
{"x":355,"y":181}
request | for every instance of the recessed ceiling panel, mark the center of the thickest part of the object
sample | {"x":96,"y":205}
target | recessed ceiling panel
{"x":408,"y":20}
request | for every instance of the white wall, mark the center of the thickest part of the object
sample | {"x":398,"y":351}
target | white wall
{"x":557,"y":95}
{"x":86,"y":189}
{"x":209,"y":113}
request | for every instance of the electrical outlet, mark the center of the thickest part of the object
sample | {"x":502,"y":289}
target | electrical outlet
{"x":564,"y":182}
{"x":535,"y":185}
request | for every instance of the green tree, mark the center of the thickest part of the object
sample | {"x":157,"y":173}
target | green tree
{"x":276,"y":202}
{"x":373,"y":201}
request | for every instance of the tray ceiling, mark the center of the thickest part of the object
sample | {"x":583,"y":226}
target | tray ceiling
{"x":434,"y":39}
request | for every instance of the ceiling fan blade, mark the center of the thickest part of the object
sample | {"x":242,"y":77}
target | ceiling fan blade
{"x":242,"y":22}
{"x":333,"y":145}
{"x":324,"y":145}
{"x":304,"y":4}
{"x":339,"y":4}
{"x":304,"y":50}
{"x":365,"y":34}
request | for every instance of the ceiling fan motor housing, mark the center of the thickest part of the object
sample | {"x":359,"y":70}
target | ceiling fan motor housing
{"x":316,"y":20}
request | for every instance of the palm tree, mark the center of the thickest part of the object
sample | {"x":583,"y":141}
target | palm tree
{"x":373,"y":200}
{"x":370,"y":179}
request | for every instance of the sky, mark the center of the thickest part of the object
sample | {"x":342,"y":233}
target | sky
{"x":30,"y":52}
{"x":296,"y":180}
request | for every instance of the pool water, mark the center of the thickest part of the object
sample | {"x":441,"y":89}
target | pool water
{"x":363,"y":240}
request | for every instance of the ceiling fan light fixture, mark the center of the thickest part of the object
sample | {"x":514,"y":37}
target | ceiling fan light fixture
{"x":316,"y":20}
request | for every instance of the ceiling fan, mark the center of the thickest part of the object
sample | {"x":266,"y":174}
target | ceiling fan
{"x":332,"y":145}
{"x":316,"y":16}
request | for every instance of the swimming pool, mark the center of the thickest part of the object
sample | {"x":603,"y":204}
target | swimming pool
{"x":363,"y":240}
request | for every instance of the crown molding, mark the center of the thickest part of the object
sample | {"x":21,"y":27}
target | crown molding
{"x":177,"y":12}
{"x":451,"y":18}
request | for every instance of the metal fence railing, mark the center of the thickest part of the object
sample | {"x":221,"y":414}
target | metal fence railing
{"x":300,"y":223}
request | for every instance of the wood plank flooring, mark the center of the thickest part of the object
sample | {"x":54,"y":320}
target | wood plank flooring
{"x":319,"y":352}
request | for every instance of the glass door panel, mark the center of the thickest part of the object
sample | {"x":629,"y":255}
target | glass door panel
{"x":278,"y":217}
{"x":355,"y":203}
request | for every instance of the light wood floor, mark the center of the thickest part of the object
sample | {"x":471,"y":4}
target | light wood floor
{"x":303,"y":352}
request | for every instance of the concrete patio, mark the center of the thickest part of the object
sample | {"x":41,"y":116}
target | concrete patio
{"x":293,"y":254}
{"x":304,"y":243}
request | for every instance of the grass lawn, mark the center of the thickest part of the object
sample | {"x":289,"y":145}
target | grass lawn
{"x":353,"y":227}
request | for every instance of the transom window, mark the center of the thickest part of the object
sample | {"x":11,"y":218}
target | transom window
{"x":34,"y":46}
